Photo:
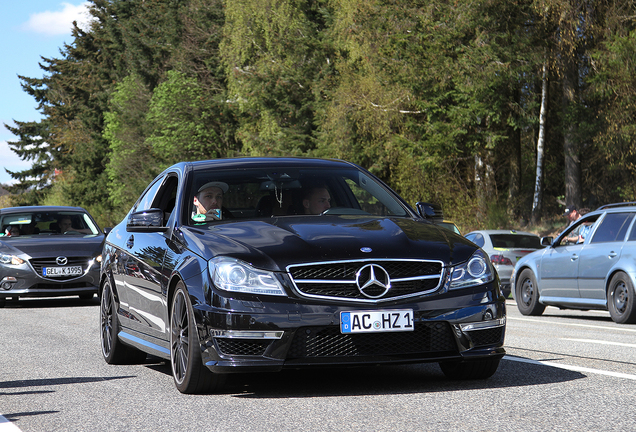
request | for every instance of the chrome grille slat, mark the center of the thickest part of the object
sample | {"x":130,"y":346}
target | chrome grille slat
{"x":337,"y":280}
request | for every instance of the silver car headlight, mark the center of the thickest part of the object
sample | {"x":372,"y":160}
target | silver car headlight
{"x":476,"y":271}
{"x":234,"y":275}
{"x":10,"y":259}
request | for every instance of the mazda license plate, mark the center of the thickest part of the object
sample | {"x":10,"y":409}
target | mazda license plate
{"x":62,"y":271}
{"x":376,"y":321}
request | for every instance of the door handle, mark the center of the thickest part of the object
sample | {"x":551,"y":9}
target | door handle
{"x":612,"y":254}
{"x":574,"y":257}
{"x":130,"y":242}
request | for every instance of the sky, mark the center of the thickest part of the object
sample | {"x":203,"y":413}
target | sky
{"x":29,"y":30}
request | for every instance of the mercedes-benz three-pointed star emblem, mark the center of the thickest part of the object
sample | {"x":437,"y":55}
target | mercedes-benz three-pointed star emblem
{"x":373,"y":279}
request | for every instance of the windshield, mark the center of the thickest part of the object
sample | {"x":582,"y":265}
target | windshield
{"x":265,"y":193}
{"x":47,"y":223}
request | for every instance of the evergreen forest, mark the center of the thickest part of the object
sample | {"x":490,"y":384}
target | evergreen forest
{"x":501,"y":111}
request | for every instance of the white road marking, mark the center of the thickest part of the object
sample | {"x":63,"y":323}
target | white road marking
{"x":7,"y":426}
{"x":543,"y":321}
{"x":572,"y":368}
{"x":594,"y":341}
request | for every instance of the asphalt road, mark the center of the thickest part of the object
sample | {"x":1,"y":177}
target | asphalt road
{"x":564,"y":371}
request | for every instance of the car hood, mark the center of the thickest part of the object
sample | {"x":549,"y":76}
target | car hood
{"x":54,"y":245}
{"x":278,"y":242}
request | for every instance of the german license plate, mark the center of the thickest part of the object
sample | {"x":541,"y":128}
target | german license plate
{"x":376,"y":321}
{"x":62,"y":271}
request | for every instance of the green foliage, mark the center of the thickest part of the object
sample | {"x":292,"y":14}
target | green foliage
{"x":132,"y":163}
{"x":274,"y":57}
{"x":614,"y":85}
{"x":439,"y":99}
{"x":186,"y":122}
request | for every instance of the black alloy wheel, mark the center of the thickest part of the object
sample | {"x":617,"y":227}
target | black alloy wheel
{"x":113,"y":350}
{"x":527,"y":294}
{"x":620,"y":299}
{"x":189,"y":373}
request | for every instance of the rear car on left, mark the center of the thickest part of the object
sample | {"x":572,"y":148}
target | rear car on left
{"x":48,"y":251}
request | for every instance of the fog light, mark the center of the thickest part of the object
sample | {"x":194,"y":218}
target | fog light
{"x":483,"y":325}
{"x":488,"y":316}
{"x":7,"y":282}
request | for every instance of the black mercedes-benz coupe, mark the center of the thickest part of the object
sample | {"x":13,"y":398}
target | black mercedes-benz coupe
{"x":48,"y":251}
{"x":261,"y":264}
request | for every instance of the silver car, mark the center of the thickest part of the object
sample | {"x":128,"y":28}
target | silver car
{"x":48,"y":251}
{"x":591,"y":265}
{"x":505,"y":248}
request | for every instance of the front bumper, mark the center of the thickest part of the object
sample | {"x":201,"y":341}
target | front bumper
{"x":248,"y":336}
{"x":25,"y":282}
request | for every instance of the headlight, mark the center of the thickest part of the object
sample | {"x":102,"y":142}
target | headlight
{"x":10,"y":259}
{"x":476,"y":271}
{"x":230,"y":274}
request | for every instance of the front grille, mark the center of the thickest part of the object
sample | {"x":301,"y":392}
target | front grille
{"x":241,"y":346}
{"x":347,"y":269}
{"x":338,"y":279}
{"x":328,"y":342}
{"x":39,"y":263}
{"x":492,"y":336}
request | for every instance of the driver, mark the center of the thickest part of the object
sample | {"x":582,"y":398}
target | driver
{"x":208,"y":202}
{"x":65,"y":224}
{"x":316,"y":200}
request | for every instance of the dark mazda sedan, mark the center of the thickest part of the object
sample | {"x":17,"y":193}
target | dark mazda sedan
{"x":261,"y":264}
{"x":48,"y":251}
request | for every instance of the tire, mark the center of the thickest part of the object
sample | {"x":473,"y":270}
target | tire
{"x":470,"y":369}
{"x":189,"y":374}
{"x":620,"y":299}
{"x":527,"y":294}
{"x":113,"y":350}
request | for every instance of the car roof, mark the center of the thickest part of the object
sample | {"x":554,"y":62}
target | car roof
{"x":614,"y":208}
{"x":24,"y":209}
{"x":255,"y":162}
{"x":622,"y":206}
{"x":502,"y":232}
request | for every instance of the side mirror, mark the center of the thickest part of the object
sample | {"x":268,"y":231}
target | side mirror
{"x":146,"y":221}
{"x":546,"y":241}
{"x":107,"y":230}
{"x":429,"y":211}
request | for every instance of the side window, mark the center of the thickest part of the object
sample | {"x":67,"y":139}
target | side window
{"x":478,"y":239}
{"x":579,"y":231}
{"x":625,"y":227}
{"x":165,"y":199}
{"x":632,"y":234}
{"x":613,"y":227}
{"x":147,"y":199}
